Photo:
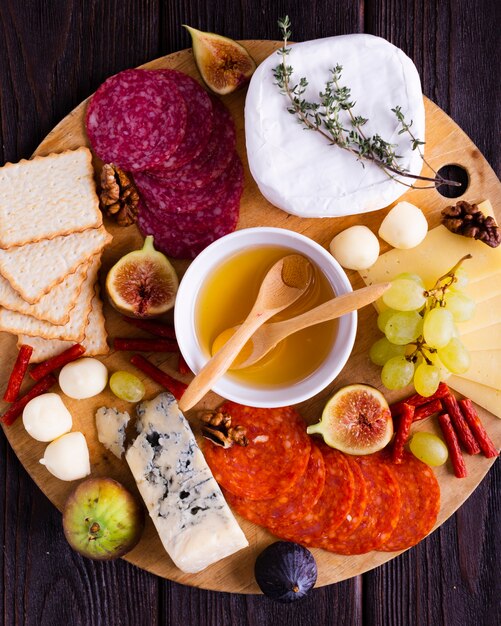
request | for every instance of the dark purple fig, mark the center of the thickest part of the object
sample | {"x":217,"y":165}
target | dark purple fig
{"x":285,"y":571}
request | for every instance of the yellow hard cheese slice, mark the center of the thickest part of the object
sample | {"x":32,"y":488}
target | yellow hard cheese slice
{"x":486,"y":338}
{"x":484,"y":288}
{"x":485,"y":368}
{"x":486,"y":397}
{"x":487,"y":313}
{"x":436,"y":255}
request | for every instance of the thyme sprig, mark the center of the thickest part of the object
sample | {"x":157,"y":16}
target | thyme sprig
{"x":324,"y":117}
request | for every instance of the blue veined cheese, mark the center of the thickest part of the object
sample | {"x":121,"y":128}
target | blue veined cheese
{"x":184,"y":501}
{"x":298,"y":170}
{"x":111,"y":425}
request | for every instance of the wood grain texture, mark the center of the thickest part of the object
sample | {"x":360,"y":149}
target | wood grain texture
{"x":102,"y":38}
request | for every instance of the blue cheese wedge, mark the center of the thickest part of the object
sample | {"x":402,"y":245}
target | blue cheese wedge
{"x":300,"y":171}
{"x":184,"y":501}
{"x":111,"y":425}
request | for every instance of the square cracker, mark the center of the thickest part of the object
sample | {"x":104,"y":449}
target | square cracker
{"x":94,"y":340}
{"x":36,"y":268}
{"x":55,"y":307}
{"x":47,"y":196}
{"x":73,"y":330}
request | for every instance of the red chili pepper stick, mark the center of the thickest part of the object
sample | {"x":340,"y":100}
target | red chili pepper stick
{"x":464,"y":433}
{"x":176,"y":387}
{"x":18,"y":371}
{"x":182,"y":366}
{"x":404,"y":428}
{"x":145,"y":345}
{"x":473,"y":419}
{"x":452,"y":442}
{"x":417,"y":400}
{"x":425,"y":410}
{"x":153,"y":327}
{"x":44,"y":368}
{"x":16,"y":408}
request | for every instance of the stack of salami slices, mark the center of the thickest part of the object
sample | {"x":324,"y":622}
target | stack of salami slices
{"x":304,"y":491}
{"x":179,"y":144}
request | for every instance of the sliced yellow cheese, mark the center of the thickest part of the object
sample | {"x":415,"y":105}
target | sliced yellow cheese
{"x":486,"y":338}
{"x":484,"y":288}
{"x":436,"y":255}
{"x":486,"y":397}
{"x":487,"y":313}
{"x":485,"y":368}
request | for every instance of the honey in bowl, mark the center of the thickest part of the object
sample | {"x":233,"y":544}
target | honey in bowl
{"x":227,"y":298}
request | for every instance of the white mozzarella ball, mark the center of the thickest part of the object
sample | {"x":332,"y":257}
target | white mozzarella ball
{"x":355,"y":248}
{"x":83,"y":378}
{"x":404,"y":227}
{"x":46,"y":418}
{"x":67,"y":458}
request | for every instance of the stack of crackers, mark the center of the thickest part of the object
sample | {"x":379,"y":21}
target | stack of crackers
{"x":51,"y":240}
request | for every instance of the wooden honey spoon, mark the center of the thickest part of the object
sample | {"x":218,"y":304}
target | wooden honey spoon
{"x":269,"y":335}
{"x":284,"y":283}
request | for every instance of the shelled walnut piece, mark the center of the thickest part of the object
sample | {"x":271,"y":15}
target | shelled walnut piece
{"x":118,"y":197}
{"x":218,"y":429}
{"x":468,"y":220}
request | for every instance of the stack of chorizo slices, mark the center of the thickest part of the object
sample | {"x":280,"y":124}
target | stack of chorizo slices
{"x":179,"y":144}
{"x":304,"y":491}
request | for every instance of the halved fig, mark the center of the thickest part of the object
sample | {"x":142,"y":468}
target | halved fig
{"x":142,"y":283}
{"x":224,"y":64}
{"x":102,"y":520}
{"x":356,"y":420}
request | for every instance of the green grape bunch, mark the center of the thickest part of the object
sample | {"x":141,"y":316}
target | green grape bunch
{"x":420,"y":342}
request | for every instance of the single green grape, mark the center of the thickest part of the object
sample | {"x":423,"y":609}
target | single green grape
{"x":438,"y":327}
{"x":403,"y":327}
{"x":383,"y":351}
{"x":127,"y":387}
{"x":429,"y":448}
{"x":426,"y":379}
{"x":409,"y":276}
{"x":397,"y":372}
{"x":455,"y":356}
{"x":383,"y":317}
{"x":404,"y":295}
{"x":460,"y":305}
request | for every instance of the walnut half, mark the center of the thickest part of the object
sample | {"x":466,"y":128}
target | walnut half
{"x":218,"y":429}
{"x":468,"y":220}
{"x":118,"y":197}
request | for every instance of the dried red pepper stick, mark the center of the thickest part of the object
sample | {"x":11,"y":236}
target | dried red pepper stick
{"x":182,"y":366}
{"x":404,"y":428}
{"x":145,"y":345}
{"x":44,"y":368}
{"x":16,"y":408}
{"x":425,"y":410}
{"x":176,"y":387}
{"x":153,"y":327}
{"x":473,"y":419}
{"x":464,"y":433}
{"x":417,"y":400}
{"x":452,"y":442}
{"x":17,"y":375}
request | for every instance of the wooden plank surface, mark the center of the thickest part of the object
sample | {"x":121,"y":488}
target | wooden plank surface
{"x":54,"y":56}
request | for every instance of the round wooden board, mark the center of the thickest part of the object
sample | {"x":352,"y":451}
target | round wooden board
{"x":446,"y":144}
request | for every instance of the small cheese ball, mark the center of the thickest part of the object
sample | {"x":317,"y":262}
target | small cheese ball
{"x":83,"y":378}
{"x":404,"y":227}
{"x":355,"y":248}
{"x":46,"y":418}
{"x":67,"y":457}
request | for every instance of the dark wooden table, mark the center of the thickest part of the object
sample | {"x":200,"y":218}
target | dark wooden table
{"x":54,"y":53}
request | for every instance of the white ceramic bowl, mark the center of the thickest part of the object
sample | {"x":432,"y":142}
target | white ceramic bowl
{"x":185,"y":316}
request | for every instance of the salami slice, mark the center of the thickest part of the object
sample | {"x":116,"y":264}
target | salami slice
{"x":212,"y":160}
{"x":290,"y":506}
{"x":136,"y":119}
{"x":420,"y":494}
{"x":330,"y":510}
{"x":355,"y":514}
{"x":275,"y":459}
{"x":198,"y":122}
{"x":381,"y":513}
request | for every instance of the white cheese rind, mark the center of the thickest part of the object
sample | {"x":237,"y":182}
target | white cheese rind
{"x":184,"y":501}
{"x":297,"y":169}
{"x":111,"y":425}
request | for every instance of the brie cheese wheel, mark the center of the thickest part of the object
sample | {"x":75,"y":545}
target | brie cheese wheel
{"x":297,"y":169}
